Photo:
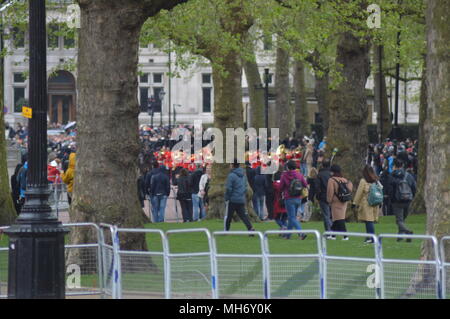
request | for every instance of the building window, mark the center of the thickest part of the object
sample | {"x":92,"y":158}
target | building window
{"x":53,"y":37}
{"x":206,"y":78}
{"x":18,"y":37}
{"x":143,"y":78}
{"x":206,"y":99}
{"x":157,"y":105}
{"x":143,"y":95}
{"x":157,"y":77}
{"x":19,"y":78}
{"x":19,"y":95}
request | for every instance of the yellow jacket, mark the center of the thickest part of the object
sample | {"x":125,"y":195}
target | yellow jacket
{"x":68,"y":176}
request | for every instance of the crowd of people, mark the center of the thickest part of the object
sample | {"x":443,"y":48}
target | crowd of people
{"x":305,"y":178}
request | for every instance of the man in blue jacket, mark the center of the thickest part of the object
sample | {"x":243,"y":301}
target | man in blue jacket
{"x":236,"y":188}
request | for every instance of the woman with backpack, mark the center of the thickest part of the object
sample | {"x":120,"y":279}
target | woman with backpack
{"x":292,"y":185}
{"x":339,"y":191}
{"x":368,"y":199}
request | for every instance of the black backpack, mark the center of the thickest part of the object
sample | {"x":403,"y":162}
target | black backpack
{"x":343,"y":194}
{"x":403,"y":192}
{"x":295,"y":188}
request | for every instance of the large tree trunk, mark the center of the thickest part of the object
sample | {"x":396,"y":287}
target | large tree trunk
{"x":255,"y":92}
{"x":285,"y":114}
{"x":7,"y":211}
{"x":437,"y":189}
{"x":227,"y":114}
{"x":322,"y":93}
{"x":383,"y":115}
{"x":105,"y":188}
{"x":418,"y":204}
{"x":348,"y":107}
{"x":302,"y":125}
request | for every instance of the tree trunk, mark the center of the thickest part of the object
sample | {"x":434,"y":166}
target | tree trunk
{"x":437,"y":189}
{"x":255,"y":92}
{"x":348,"y":107}
{"x":418,"y":204}
{"x":322,"y":93}
{"x":302,"y":125}
{"x":286,"y":119}
{"x":383,"y":116}
{"x":227,"y":114}
{"x":7,"y":210}
{"x":105,"y":188}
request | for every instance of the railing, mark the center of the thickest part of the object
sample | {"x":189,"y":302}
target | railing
{"x":109,"y":269}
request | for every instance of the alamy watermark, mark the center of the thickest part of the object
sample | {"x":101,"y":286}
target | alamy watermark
{"x":247,"y":141}
{"x":73,"y":280}
{"x":374,"y":19}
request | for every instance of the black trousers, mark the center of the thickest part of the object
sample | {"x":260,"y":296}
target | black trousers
{"x":269,"y":204}
{"x":339,"y":225}
{"x":240,"y":210}
{"x":186,"y":210}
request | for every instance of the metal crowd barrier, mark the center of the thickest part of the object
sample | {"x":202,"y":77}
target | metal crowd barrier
{"x":110,"y":264}
{"x":445,"y":268}
{"x":85,"y":261}
{"x":348,"y":277}
{"x":190,"y":274}
{"x":142,"y":273}
{"x":58,"y":199}
{"x":240,"y":275}
{"x":109,"y":271}
{"x":404,"y":278}
{"x":298,"y":275}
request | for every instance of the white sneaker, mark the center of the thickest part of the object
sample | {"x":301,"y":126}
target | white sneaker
{"x":329,"y":237}
{"x":345,"y":238}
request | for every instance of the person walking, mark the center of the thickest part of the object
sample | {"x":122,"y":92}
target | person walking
{"x":321,"y":193}
{"x":279,"y":207}
{"x":197,"y":203}
{"x":203,"y":190}
{"x":159,"y":192}
{"x":184,"y":195}
{"x":292,"y":184}
{"x":69,"y":175}
{"x":339,"y":191}
{"x":260,"y":188}
{"x":235,"y":196}
{"x":365,"y":212}
{"x":404,"y":190}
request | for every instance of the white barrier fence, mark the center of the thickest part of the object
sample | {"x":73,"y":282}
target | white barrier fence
{"x":109,"y":269}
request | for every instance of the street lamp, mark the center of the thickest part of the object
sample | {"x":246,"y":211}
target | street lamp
{"x":161,"y":99}
{"x":36,"y":240}
{"x":266,"y":95}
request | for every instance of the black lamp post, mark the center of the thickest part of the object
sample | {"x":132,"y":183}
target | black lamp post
{"x":161,"y":99}
{"x":36,"y":240}
{"x":266,"y":95}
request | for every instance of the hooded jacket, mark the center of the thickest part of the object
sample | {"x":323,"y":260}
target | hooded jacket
{"x":69,"y":175}
{"x":397,"y":176}
{"x":236,"y":186}
{"x":286,"y":179}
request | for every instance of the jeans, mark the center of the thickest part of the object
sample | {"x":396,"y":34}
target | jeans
{"x":401,"y":211}
{"x":292,"y":206}
{"x":304,"y":169}
{"x":326,"y":214}
{"x":198,"y":207}
{"x":281,"y":221}
{"x":158,"y":207}
{"x":259,"y":208}
{"x":186,"y":209}
{"x":370,"y":227}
